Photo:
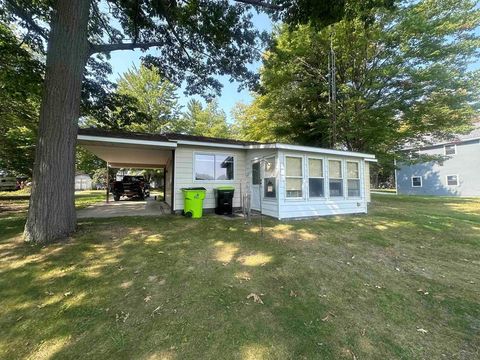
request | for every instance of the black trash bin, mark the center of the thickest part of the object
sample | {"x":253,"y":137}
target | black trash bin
{"x":224,"y":200}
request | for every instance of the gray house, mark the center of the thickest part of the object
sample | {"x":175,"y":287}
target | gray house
{"x":457,"y":175}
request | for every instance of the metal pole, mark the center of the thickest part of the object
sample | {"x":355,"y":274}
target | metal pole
{"x":108,"y":184}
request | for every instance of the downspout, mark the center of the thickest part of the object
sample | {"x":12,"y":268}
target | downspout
{"x":173,"y":183}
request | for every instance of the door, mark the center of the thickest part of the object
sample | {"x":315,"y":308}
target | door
{"x":255,"y":185}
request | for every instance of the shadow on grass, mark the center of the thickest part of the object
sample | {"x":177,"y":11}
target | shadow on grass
{"x":177,"y":288}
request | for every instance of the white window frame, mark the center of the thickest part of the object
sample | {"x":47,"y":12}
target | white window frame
{"x":445,"y":149}
{"x":342,"y":170}
{"x":195,"y":153}
{"x":316,"y":177}
{"x":262,"y":177}
{"x":359,"y":179}
{"x":458,"y":180}
{"x":295,"y":177}
{"x":421,"y":181}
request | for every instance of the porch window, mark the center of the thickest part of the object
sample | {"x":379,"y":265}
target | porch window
{"x":214,"y":167}
{"x":335,"y":178}
{"x":256,"y":178}
{"x":269,"y":180}
{"x":315,"y":178}
{"x":294,"y":177}
{"x":353,"y":179}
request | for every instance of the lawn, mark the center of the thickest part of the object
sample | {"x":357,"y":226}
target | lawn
{"x":402,"y":282}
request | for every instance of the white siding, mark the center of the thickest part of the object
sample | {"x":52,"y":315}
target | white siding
{"x":305,"y":207}
{"x":269,"y":206}
{"x":366,"y":180}
{"x":184,"y":176}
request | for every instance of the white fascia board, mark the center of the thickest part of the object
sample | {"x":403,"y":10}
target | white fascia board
{"x":126,"y":141}
{"x":209,"y":144}
{"x":312,"y":149}
{"x":429,"y":146}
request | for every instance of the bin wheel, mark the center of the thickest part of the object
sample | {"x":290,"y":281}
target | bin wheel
{"x":188,"y":214}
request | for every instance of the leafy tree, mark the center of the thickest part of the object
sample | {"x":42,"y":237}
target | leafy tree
{"x":398,"y":77}
{"x":20,"y":92}
{"x":252,"y":122}
{"x":87,"y":162}
{"x":205,"y":121}
{"x":155,"y":96}
{"x":196,"y":40}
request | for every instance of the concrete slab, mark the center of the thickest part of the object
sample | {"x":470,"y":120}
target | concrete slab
{"x":148,"y":207}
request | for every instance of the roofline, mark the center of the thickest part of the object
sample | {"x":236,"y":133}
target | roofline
{"x":442,"y":144}
{"x":210,"y":144}
{"x":311,"y":149}
{"x":126,"y":141}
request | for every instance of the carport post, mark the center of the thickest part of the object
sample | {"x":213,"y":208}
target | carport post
{"x":108,"y":183}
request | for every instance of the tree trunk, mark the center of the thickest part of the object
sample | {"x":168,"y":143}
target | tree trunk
{"x":51,"y":214}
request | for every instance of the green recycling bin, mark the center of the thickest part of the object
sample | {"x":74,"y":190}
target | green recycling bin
{"x":193,"y":201}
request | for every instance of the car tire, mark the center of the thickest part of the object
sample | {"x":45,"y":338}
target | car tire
{"x":116,"y":197}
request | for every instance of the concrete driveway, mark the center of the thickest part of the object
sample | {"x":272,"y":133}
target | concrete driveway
{"x":148,"y":207}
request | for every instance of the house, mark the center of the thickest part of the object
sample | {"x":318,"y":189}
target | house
{"x":457,"y":175}
{"x":83,"y":182}
{"x":283,"y":181}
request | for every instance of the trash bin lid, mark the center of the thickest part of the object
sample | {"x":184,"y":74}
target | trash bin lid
{"x":226,"y":187}
{"x":194,"y":188}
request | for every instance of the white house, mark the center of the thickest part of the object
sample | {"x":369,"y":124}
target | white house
{"x":284,"y":181}
{"x":83,"y":182}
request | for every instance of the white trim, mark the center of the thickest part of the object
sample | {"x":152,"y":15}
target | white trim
{"x":302,"y":177}
{"x":359,"y":179}
{"x":342,"y":165}
{"x":458,"y":179}
{"x":311,"y":149}
{"x":209,"y":144}
{"x":214,"y":181}
{"x":308,"y":177}
{"x":445,"y":149}
{"x":421,"y":181}
{"x":116,"y":140}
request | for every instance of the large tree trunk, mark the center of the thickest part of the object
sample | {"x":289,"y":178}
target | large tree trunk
{"x":51,"y":214}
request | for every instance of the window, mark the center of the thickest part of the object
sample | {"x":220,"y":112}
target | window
{"x":335,"y":178}
{"x":450,"y":149}
{"x":213,"y":167}
{"x":353,"y":179}
{"x":416,"y":181}
{"x":452,"y":180}
{"x":256,"y":173}
{"x":315,"y":178}
{"x":269,"y":178}
{"x":294,"y":176}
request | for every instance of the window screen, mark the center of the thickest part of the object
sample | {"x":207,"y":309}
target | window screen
{"x":335,"y":180}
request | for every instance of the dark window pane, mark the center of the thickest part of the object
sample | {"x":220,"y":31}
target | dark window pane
{"x":204,"y":167}
{"x":223,"y":167}
{"x":270,"y":190}
{"x":256,"y":173}
{"x":452,"y":180}
{"x":450,"y":150}
{"x":416,"y":181}
{"x":353,"y":188}
{"x":315,"y":187}
{"x":336,"y":187}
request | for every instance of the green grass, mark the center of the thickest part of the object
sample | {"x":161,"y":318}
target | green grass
{"x":175,"y":288}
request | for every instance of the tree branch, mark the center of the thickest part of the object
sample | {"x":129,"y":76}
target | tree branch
{"x":106,"y":48}
{"x":25,"y":16}
{"x":261,"y":3}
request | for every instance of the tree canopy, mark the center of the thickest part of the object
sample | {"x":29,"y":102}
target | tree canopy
{"x":399,"y":74}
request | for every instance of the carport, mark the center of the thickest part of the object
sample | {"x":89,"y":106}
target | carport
{"x":135,"y":151}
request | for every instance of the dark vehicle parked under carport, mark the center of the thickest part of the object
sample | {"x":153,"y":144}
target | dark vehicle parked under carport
{"x":131,"y":187}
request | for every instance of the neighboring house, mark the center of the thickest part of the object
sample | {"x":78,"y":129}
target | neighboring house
{"x":83,"y":182}
{"x":457,"y":175}
{"x":284,"y":181}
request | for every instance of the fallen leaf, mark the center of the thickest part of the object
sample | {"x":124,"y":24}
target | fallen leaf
{"x":68,"y":293}
{"x":147,"y":298}
{"x":49,"y":293}
{"x":255,"y":298}
{"x":293,"y":293}
{"x":423,"y":331}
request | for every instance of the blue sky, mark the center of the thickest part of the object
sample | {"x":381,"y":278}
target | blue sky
{"x":121,"y":61}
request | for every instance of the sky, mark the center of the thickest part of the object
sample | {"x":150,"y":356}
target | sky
{"x":121,"y":61}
